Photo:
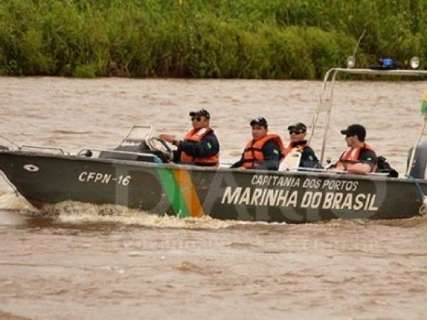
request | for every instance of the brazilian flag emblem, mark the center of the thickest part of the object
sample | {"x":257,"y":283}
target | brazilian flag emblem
{"x":424,"y":105}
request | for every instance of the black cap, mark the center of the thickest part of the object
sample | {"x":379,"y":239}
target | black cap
{"x":200,"y":113}
{"x":355,"y":130}
{"x":301,"y":127}
{"x":260,"y":121}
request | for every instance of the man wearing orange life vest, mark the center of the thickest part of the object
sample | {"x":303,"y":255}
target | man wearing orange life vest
{"x":200,"y":145}
{"x":359,"y":158}
{"x":264,"y":151}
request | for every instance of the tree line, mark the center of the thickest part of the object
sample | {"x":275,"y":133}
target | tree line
{"x":275,"y":39}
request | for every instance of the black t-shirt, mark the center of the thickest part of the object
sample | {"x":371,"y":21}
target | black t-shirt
{"x":308,"y":157}
{"x":272,"y":156}
{"x":368,"y":156}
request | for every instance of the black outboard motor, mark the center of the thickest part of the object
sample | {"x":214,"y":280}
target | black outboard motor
{"x":420,"y":161}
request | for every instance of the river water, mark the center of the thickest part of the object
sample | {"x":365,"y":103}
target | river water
{"x":91,"y":262}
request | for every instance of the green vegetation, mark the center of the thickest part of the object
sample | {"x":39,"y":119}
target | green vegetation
{"x":278,"y":39}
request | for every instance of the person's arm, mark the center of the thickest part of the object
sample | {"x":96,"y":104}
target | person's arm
{"x":356,"y":168}
{"x":271,"y":157}
{"x":209,"y":146}
{"x":238,"y":164}
{"x":368,"y":160}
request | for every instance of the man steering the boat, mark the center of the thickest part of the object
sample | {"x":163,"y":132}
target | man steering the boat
{"x":298,"y":153}
{"x":264,"y":151}
{"x":359,"y":158}
{"x":200,"y":145}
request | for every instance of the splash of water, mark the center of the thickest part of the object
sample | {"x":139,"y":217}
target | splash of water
{"x":72,"y":212}
{"x":15,"y":202}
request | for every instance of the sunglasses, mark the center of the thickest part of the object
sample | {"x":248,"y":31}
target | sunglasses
{"x":196,"y":118}
{"x":296,"y":131}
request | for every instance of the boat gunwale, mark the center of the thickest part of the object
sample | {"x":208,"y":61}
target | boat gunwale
{"x":137,"y":163}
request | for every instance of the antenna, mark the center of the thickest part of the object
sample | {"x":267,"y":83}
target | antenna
{"x":358,"y":43}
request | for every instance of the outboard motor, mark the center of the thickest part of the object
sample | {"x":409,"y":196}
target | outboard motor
{"x":420,"y":161}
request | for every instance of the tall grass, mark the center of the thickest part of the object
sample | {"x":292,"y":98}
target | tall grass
{"x":280,"y":39}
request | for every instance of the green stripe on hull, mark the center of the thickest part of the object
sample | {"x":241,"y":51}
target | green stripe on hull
{"x":172,"y":190}
{"x":424,"y":105}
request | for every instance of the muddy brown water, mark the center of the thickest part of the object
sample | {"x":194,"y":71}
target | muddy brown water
{"x":90,"y":262}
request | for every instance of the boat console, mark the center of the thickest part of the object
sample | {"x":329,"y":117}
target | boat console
{"x":140,"y":145}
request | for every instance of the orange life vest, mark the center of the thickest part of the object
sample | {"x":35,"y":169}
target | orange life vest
{"x":353,"y":154}
{"x":196,"y":135}
{"x":253,"y":150}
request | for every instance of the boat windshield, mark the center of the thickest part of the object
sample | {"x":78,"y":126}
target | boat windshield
{"x":139,"y":133}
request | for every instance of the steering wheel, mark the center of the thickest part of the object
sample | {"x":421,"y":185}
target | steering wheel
{"x":157,"y":144}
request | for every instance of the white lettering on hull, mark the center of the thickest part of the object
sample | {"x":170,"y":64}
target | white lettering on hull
{"x":103,"y":178}
{"x":299,"y":199}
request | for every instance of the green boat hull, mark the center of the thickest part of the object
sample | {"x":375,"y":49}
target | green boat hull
{"x":188,"y":191}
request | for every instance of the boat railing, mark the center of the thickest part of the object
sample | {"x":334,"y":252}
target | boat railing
{"x":59,"y":150}
{"x":88,"y":152}
{"x":10,"y":141}
{"x":317,"y":170}
{"x":321,"y":170}
{"x":327,"y":95}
